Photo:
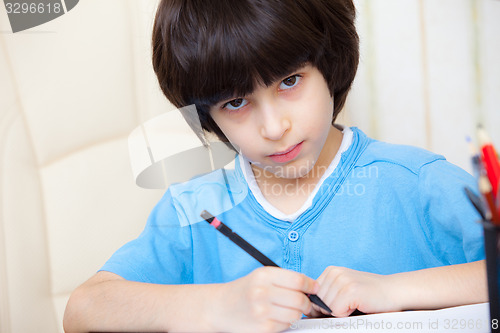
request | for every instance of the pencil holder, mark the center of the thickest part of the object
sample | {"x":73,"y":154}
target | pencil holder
{"x":492,"y":249}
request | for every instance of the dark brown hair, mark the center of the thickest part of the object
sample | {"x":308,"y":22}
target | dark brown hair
{"x":205,"y":51}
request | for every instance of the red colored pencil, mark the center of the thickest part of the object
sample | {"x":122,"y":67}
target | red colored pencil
{"x":490,"y":159}
{"x":486,"y":190}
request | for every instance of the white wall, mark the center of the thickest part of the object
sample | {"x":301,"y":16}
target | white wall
{"x":429,"y":73}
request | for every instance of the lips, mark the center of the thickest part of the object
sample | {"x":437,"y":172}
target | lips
{"x":287,"y":155}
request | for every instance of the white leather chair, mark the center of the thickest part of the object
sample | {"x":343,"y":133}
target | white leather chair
{"x":71,"y":91}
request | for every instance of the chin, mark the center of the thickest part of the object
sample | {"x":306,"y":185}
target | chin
{"x":294,"y":171}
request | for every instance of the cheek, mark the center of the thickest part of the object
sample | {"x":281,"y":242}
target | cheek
{"x":319,"y":106}
{"x":238,"y":135}
{"x":318,"y":119}
{"x":223,"y":126}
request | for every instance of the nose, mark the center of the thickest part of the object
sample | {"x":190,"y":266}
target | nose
{"x":275,"y":122}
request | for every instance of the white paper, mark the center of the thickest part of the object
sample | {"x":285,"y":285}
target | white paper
{"x":467,"y":318}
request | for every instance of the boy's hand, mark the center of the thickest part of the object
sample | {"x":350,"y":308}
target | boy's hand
{"x":345,"y":290}
{"x":267,"y":300}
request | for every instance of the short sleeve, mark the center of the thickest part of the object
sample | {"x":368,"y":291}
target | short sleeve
{"x":161,"y":254}
{"x":450,"y":220}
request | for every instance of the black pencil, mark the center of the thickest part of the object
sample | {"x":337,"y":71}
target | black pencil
{"x":248,"y":248}
{"x":476,"y":202}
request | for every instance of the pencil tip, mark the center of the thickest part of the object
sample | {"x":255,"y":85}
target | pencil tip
{"x":206,"y":215}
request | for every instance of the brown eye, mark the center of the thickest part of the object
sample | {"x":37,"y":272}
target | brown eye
{"x":290,"y":81}
{"x":236,"y":102}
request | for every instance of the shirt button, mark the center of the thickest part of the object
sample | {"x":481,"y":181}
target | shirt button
{"x":293,"y":235}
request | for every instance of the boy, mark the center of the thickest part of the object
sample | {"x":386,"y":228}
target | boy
{"x":380,"y":227}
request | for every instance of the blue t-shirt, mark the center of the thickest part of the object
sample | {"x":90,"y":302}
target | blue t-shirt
{"x":385,"y":209}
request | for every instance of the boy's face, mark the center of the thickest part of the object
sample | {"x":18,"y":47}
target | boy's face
{"x":281,"y":128}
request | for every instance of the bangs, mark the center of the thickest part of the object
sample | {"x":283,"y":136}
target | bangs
{"x":243,"y":44}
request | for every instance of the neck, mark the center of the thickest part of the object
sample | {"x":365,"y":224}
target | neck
{"x":330,"y":149}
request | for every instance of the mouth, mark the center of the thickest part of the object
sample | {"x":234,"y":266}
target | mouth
{"x":288,"y":154}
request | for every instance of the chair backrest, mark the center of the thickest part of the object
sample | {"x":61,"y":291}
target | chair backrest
{"x":71,"y":92}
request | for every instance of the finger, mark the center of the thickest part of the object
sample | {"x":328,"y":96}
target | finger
{"x":315,"y":312}
{"x":320,"y":312}
{"x":296,"y":281}
{"x":292,"y":299}
{"x":328,"y":290}
{"x":284,"y":315}
{"x":327,"y":272}
{"x":342,"y":309}
{"x":274,"y":317}
{"x":322,"y":277}
{"x":345,"y":303}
